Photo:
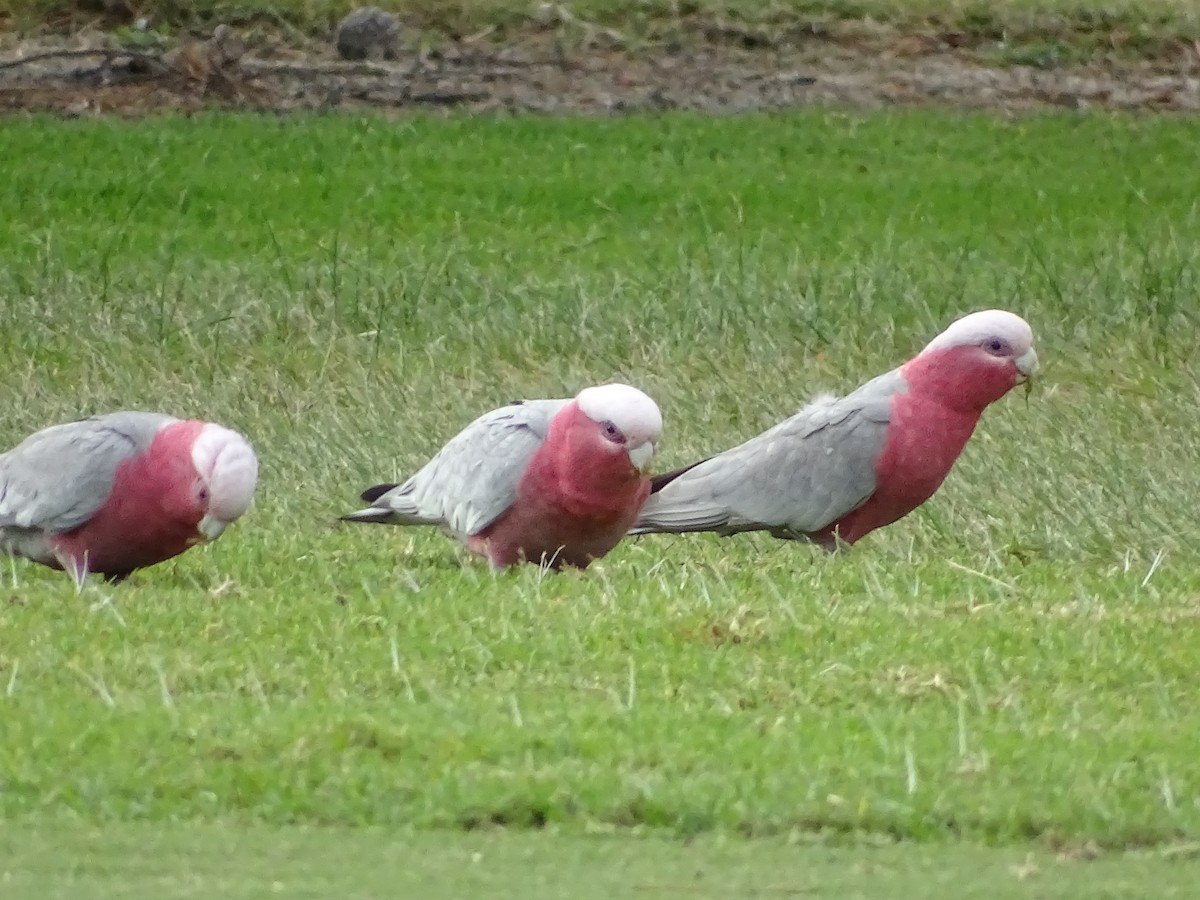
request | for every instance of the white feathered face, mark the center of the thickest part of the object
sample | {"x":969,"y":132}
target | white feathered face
{"x":228,"y":471}
{"x":627,"y":418}
{"x":998,"y":334}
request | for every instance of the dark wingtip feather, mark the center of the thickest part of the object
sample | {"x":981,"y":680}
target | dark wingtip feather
{"x":379,"y":517}
{"x":658,"y":482}
{"x":371,"y":494}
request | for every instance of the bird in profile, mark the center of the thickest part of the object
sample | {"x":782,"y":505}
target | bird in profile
{"x":842,"y":467}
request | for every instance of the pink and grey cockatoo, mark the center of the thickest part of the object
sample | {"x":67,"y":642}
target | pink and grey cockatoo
{"x":121,"y":491}
{"x":842,"y":467}
{"x":550,"y":482}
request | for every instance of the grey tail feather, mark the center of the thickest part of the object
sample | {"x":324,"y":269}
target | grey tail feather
{"x":380,"y":516}
{"x":716,"y":528}
{"x":371,"y":494}
{"x":655,"y":528}
{"x":658,"y":482}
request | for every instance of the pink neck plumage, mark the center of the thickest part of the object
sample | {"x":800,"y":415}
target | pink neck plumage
{"x":581,"y":466}
{"x":963,"y":378}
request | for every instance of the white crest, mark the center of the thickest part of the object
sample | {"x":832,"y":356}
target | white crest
{"x":979,"y":326}
{"x":626,"y":407}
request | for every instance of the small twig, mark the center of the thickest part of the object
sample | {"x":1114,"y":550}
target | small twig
{"x":149,"y":59}
{"x":12,"y":679}
{"x":311,"y":69}
{"x":910,"y":769}
{"x":297,"y":35}
{"x":96,"y":684}
{"x":1158,"y":558}
{"x":1008,"y":586}
{"x":154,"y":62}
{"x":480,"y":35}
{"x":395,"y":655}
{"x":164,"y":688}
{"x":448,"y":98}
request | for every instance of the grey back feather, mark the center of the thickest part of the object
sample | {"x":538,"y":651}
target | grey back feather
{"x":57,"y":478}
{"x":795,"y":478}
{"x":473,"y":479}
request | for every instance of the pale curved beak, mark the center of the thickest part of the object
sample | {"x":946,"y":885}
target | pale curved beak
{"x":1027,"y":365}
{"x":641,"y":455}
{"x":211,"y":528}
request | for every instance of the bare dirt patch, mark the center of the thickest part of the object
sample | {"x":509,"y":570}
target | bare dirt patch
{"x":89,"y":74}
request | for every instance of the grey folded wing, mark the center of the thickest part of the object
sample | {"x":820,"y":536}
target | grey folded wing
{"x":473,"y":479}
{"x":793,"y":479}
{"x":57,"y":478}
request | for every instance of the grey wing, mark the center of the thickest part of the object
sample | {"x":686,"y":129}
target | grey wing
{"x":473,"y":479}
{"x":57,"y":478}
{"x":799,"y":476}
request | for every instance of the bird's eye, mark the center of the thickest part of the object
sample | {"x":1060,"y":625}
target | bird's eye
{"x":203,"y":495}
{"x":996,"y":345}
{"x":612,"y":432}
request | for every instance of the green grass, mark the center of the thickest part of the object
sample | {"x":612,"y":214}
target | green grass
{"x":223,"y":860}
{"x":1015,"y":662}
{"x":1083,"y":28}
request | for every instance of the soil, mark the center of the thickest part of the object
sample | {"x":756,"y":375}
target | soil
{"x":90,"y":73}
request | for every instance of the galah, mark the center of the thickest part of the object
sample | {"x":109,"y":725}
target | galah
{"x":550,"y":482}
{"x":842,"y":467}
{"x":121,"y":491}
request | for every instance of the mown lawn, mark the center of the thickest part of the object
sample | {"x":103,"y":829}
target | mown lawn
{"x":61,"y":861}
{"x":1014,"y":664}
